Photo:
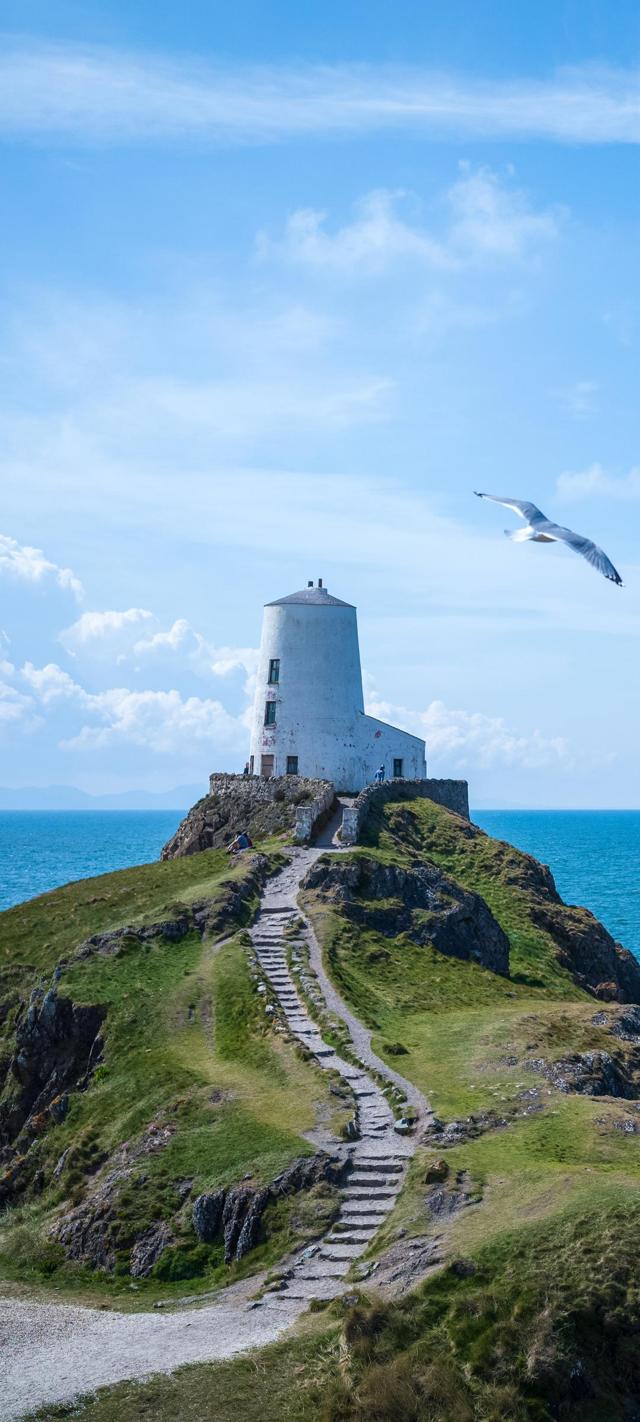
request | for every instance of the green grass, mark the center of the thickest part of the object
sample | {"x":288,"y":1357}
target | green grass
{"x":541,"y":1319}
{"x":187,"y":1047}
{"x":493,"y":869}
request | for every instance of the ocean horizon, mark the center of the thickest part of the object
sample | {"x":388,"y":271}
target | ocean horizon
{"x":594,"y":855}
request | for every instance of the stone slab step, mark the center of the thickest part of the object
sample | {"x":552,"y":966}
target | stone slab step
{"x":343,"y":1253}
{"x":355,"y":1209}
{"x":359,"y":1192}
{"x":311,"y":1289}
{"x":367,"y":1179}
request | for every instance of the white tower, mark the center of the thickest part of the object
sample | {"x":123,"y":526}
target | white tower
{"x":309,"y":711}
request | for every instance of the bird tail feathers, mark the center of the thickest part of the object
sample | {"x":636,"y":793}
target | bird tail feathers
{"x":519,"y":535}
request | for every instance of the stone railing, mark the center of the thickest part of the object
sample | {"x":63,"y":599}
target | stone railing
{"x":312,"y":816}
{"x":453,"y":794}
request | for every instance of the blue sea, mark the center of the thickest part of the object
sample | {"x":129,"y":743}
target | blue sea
{"x":593,"y":854}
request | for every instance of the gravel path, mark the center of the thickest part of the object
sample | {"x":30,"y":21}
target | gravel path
{"x":54,"y":1352}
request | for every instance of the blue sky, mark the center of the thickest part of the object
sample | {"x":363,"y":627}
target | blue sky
{"x":280,"y":286}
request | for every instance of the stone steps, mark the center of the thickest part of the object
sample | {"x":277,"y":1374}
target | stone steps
{"x":371,"y":1189}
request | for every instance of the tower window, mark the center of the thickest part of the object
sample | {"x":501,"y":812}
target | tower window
{"x":274,"y":671}
{"x":397,"y":770}
{"x":270,"y":713}
{"x":292,"y":765}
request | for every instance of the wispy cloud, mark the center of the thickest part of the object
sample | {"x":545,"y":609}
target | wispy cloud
{"x":487,"y":218}
{"x":29,"y":565}
{"x":100,"y":95}
{"x":579,"y":399}
{"x":597,"y":482}
{"x":461,"y":740}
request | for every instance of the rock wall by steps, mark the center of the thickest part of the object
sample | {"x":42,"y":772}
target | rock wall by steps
{"x":248,"y":802}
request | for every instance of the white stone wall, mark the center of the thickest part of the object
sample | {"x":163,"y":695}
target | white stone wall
{"x":319,"y":714}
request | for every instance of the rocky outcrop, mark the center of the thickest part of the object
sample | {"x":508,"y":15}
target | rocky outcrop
{"x":583,"y":946}
{"x":592,"y":1074}
{"x":589,"y":952}
{"x":57,"y":1046}
{"x":237,"y":802}
{"x":148,"y":1248}
{"x":235,"y":1215}
{"x":97,"y":1229}
{"x":419,"y":901}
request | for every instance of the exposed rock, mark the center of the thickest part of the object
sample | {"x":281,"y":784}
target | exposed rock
{"x":421,"y":902}
{"x":148,"y":1248}
{"x":446,"y":1199}
{"x":624,"y":1025}
{"x":260,"y":807}
{"x":57,"y":1046}
{"x":93,"y":1231}
{"x":583,"y":946}
{"x":207,"y":1215}
{"x":437,"y":1171}
{"x":589,"y":952}
{"x":591,"y":1074}
{"x":236,"y":1214}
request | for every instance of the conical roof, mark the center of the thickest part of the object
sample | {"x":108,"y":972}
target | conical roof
{"x":315,"y":596}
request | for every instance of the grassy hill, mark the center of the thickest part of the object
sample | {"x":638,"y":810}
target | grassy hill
{"x":194,"y":1089}
{"x":526,"y":1191}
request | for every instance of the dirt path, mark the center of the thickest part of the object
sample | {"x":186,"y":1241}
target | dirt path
{"x":53,"y":1352}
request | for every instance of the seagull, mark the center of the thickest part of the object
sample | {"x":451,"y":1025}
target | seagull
{"x":540,"y":529}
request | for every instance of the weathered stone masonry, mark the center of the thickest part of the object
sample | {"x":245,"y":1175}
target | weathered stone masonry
{"x":452,"y":794}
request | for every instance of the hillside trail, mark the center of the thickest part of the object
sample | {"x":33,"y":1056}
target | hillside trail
{"x":54,"y":1352}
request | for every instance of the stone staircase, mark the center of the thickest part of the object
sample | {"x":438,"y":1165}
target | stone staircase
{"x":377,"y":1160}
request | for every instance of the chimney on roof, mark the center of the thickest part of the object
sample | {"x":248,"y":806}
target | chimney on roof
{"x":310,"y":584}
{"x":319,"y":582}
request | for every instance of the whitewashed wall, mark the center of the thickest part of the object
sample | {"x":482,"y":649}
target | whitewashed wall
{"x":319,"y":703}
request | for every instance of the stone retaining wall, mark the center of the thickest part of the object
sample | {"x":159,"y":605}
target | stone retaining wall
{"x":453,"y":794}
{"x":312,"y":816}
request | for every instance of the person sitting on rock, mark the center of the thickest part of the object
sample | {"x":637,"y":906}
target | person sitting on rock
{"x":379,"y":775}
{"x":241,"y":841}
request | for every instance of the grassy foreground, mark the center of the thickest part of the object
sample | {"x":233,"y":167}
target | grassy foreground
{"x":534,"y":1312}
{"x":189,"y":1056}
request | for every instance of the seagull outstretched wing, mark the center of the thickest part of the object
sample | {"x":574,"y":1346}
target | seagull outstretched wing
{"x":528,"y":512}
{"x":587,"y":548}
{"x":542,"y":530}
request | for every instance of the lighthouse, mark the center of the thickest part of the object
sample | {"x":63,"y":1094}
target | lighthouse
{"x":309,"y":716}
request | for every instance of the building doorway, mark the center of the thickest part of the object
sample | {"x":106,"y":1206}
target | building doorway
{"x":266,"y":767}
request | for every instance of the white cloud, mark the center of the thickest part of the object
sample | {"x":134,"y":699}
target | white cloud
{"x":491,"y":218}
{"x":171,"y":640}
{"x":488,"y":219}
{"x":596,"y":481}
{"x":462,"y":740}
{"x":375,"y":237}
{"x":161,"y":721}
{"x":99,"y":627}
{"x":98,"y":95}
{"x":51,"y":683}
{"x":204,"y":658}
{"x":30,"y":565}
{"x":16,"y":708}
